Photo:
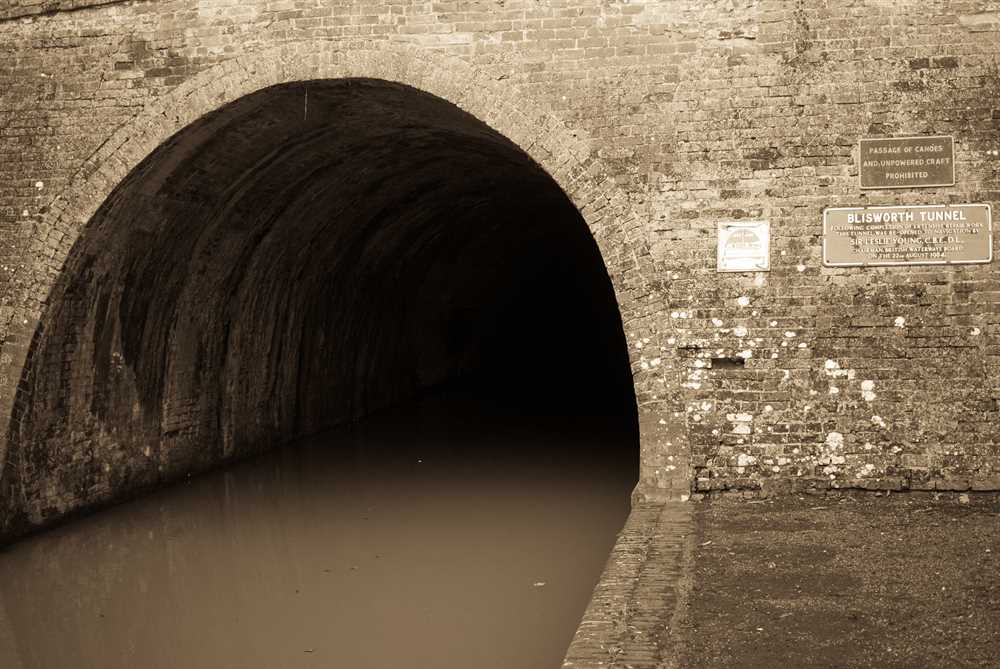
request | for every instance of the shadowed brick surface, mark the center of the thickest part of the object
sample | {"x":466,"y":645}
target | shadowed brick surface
{"x":302,"y":257}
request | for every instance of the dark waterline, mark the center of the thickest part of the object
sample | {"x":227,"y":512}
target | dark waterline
{"x":449,"y":534}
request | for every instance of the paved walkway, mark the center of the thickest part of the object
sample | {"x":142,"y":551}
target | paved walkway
{"x":638,"y":600}
{"x":848,"y":580}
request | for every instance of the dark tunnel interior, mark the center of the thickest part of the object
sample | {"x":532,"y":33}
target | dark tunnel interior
{"x":300,"y":258}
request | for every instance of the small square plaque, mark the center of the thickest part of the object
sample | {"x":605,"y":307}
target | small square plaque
{"x":744,"y":246}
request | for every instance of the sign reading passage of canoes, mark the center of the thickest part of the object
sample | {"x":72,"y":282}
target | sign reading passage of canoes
{"x":907,"y":162}
{"x":928,"y":235}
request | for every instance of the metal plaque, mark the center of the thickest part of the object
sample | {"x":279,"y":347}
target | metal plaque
{"x":744,"y":246}
{"x":907,"y":162}
{"x":926,"y":235}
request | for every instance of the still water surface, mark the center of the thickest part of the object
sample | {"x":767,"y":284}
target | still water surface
{"x":449,"y":534}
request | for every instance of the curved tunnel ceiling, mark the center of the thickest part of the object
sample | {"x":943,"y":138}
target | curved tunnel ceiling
{"x":303,"y":256}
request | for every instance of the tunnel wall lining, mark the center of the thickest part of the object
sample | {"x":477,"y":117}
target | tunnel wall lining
{"x":566,"y":154}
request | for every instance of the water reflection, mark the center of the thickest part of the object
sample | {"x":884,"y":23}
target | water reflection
{"x":443,"y":535}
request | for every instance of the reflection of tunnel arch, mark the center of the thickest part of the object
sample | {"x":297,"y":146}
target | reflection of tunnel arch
{"x":135,"y":371}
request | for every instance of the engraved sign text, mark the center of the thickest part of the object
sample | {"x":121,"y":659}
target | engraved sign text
{"x":907,"y":162}
{"x":930,"y":235}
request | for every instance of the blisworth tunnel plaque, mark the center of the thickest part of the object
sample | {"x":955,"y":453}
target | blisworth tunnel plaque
{"x":927,"y":235}
{"x":907,"y":162}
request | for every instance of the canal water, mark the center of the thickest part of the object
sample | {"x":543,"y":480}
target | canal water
{"x":453,"y":533}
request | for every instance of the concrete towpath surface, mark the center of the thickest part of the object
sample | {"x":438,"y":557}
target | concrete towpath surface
{"x":847,"y":580}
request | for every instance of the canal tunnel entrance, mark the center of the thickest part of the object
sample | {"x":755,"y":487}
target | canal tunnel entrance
{"x":347,"y":253}
{"x":297,"y":259}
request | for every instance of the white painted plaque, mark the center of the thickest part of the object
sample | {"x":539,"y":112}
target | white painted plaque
{"x":744,"y":246}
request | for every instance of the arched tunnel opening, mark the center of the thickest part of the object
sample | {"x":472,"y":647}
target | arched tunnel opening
{"x":304,"y":257}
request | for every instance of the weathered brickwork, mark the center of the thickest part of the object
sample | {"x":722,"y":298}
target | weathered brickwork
{"x":658,"y":119}
{"x":19,"y":9}
{"x":874,"y":378}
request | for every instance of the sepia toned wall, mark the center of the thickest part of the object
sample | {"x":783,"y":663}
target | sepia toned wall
{"x":658,"y":119}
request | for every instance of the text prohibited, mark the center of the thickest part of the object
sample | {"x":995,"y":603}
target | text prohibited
{"x":907,"y":162}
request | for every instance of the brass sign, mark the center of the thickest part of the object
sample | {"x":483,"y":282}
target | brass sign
{"x":907,"y":162}
{"x":924,"y":235}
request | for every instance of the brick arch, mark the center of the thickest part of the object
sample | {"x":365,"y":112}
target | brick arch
{"x":565,"y":154}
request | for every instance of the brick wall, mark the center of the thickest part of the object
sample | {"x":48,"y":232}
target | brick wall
{"x":695,"y":113}
{"x":877,"y":377}
{"x":25,"y":9}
